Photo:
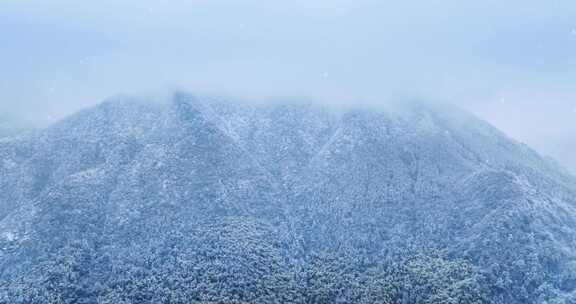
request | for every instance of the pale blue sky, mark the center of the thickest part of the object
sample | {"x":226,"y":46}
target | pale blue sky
{"x":512,"y":62}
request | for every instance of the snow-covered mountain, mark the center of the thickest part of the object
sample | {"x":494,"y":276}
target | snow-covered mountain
{"x":204,"y":201}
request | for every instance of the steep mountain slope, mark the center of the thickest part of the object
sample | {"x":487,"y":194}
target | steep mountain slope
{"x":198,"y":200}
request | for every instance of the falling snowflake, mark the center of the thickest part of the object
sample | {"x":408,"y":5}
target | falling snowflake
{"x":9,"y":236}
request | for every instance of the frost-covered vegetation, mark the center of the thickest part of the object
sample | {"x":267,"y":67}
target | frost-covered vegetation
{"x":199,"y":201}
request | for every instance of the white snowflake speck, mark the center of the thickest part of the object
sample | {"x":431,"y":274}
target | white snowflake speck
{"x":9,"y":236}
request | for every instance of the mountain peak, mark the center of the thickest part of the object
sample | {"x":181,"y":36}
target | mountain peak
{"x":219,"y":200}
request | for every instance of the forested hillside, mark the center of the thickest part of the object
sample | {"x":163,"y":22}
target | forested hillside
{"x":203,"y":201}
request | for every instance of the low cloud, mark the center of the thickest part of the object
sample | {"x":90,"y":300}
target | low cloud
{"x":510,"y":62}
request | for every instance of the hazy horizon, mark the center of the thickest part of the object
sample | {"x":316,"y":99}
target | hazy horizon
{"x":512,"y":63}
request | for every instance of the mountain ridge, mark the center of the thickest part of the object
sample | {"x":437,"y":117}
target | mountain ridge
{"x":194,"y":196}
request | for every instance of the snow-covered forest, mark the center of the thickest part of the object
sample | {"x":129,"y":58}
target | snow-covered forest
{"x":200,"y":200}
